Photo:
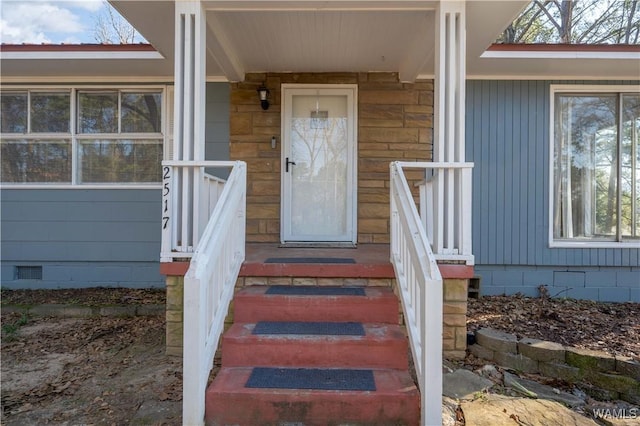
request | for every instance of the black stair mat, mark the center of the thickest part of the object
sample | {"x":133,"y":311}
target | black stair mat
{"x":310,"y":328}
{"x":288,"y":290}
{"x":310,"y":260}
{"x":312,"y":378}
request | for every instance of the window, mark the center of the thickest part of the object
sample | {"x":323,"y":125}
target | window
{"x":36,"y":140}
{"x":596,"y":166}
{"x":81,"y":136}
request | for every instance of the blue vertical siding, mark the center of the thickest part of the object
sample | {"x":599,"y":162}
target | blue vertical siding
{"x":507,"y":131}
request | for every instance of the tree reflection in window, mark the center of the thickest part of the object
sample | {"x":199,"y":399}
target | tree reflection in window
{"x":596,"y":167}
{"x":105,"y":161}
{"x":118,"y":136}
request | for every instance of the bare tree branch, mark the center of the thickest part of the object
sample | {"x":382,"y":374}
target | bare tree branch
{"x":596,"y":24}
{"x":546,"y":12}
{"x":629,"y":26}
{"x":111,"y":28}
{"x":576,"y":21}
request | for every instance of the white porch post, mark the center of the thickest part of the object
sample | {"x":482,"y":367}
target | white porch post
{"x":449,"y":147}
{"x":449,"y":107}
{"x":189,"y":120}
{"x":189,"y":109}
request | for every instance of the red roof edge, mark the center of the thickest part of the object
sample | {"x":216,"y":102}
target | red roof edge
{"x":519,"y":47}
{"x":88,"y":47}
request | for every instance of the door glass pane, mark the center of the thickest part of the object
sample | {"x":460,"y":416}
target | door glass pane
{"x":98,"y":112}
{"x":50,"y":112}
{"x":319,"y":177}
{"x":630,"y":167}
{"x":14,"y":112}
{"x":585,"y":159}
{"x":141,"y":112}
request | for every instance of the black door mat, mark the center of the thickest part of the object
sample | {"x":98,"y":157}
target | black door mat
{"x":310,"y":260}
{"x":310,"y":328}
{"x":288,"y":290}
{"x":312,"y":378}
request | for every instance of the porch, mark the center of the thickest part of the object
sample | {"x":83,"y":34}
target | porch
{"x":200,"y":292}
{"x":269,"y":265}
{"x":402,"y":178}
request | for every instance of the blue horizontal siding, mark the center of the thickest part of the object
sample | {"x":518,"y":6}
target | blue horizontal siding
{"x":81,"y":238}
{"x":86,"y":274}
{"x":507,"y":137}
{"x":80,"y":225}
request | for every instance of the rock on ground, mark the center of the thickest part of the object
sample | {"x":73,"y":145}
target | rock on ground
{"x":498,"y":410}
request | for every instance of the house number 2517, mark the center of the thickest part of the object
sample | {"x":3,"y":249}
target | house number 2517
{"x":166,"y":179}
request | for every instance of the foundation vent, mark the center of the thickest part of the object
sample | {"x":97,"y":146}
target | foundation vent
{"x":29,"y":272}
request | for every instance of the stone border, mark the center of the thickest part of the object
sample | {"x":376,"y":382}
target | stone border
{"x":600,"y":374}
{"x":81,"y":311}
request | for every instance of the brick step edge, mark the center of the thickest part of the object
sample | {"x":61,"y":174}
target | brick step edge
{"x":83,"y":311}
{"x":396,"y":399}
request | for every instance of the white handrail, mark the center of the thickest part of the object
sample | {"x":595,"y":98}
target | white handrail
{"x":208,"y":289}
{"x":445,"y":208}
{"x":420,"y":287}
{"x":188,"y":198}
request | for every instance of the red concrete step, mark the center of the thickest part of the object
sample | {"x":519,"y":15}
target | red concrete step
{"x":382,"y":346}
{"x":378,"y":305}
{"x":395,"y":401}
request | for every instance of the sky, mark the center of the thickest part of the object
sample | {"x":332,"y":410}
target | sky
{"x":53,"y":21}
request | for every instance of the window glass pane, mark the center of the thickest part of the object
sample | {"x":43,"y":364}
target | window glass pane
{"x":50,"y":112}
{"x":585,"y":161}
{"x":124,"y":161}
{"x":141,"y":112}
{"x":98,"y":112}
{"x":14,"y":112}
{"x":36,"y":161}
{"x":630,"y":167}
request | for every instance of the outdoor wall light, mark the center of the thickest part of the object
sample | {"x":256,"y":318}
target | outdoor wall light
{"x":263,"y":92}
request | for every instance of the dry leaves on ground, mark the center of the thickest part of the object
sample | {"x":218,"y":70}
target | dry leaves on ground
{"x":609,"y":327}
{"x":95,"y":296}
{"x":87,"y":371}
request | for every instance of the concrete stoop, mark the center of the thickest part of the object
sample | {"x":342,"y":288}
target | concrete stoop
{"x":382,"y":349}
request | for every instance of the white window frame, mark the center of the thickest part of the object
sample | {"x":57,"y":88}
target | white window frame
{"x":75,"y":136}
{"x":579,"y":89}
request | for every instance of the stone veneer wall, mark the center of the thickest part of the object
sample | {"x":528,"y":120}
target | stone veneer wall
{"x":394,"y":123}
{"x":454,"y":322}
{"x":174,"y":314}
{"x":601,"y":375}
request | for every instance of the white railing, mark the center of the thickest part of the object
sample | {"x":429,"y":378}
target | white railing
{"x":186,"y":207}
{"x":420,"y":287}
{"x":445,"y":209}
{"x":208,"y":290}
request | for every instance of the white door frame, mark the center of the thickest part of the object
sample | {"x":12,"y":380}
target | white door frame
{"x":351,"y":91}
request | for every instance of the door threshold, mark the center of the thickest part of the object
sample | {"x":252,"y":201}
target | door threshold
{"x":316,"y":244}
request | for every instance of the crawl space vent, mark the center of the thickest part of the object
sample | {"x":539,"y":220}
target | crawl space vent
{"x":29,"y":272}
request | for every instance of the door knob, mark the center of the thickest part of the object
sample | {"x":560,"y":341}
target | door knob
{"x":287,"y":162}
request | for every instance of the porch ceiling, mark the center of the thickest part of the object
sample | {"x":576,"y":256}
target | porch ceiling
{"x":319,"y":36}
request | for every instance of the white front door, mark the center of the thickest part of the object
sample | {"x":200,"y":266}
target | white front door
{"x":319,"y":164}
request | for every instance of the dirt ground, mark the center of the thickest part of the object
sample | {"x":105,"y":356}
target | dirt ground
{"x":113,"y":371}
{"x":101,"y":371}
